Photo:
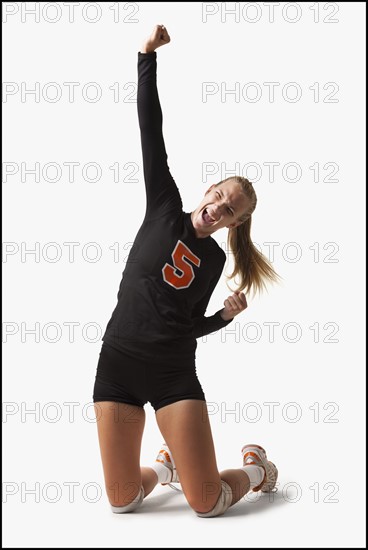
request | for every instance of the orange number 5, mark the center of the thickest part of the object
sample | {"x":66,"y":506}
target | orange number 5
{"x":170,"y":274}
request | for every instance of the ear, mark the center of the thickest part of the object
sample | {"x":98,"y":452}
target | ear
{"x":234,"y":224}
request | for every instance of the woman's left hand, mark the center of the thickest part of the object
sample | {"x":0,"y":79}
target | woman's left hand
{"x":234,"y":305}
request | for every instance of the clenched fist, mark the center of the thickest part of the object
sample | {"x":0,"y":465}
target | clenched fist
{"x":234,"y":305}
{"x":159,"y":37}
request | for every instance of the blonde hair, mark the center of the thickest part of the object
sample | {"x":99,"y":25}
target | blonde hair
{"x":250,"y":264}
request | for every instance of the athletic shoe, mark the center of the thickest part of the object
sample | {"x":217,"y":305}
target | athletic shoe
{"x":254,"y":454}
{"x":164,"y":456}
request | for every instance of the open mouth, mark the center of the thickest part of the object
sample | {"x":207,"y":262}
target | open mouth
{"x":206,"y":217}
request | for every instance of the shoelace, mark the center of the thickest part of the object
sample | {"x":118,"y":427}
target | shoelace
{"x":173,"y":487}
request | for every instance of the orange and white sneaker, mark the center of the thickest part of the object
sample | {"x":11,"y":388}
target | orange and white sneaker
{"x":254,"y":454}
{"x":164,"y":456}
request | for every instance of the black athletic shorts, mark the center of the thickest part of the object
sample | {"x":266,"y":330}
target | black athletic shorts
{"x":124,"y":378}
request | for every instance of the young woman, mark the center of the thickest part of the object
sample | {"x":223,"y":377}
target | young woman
{"x":148,"y":350}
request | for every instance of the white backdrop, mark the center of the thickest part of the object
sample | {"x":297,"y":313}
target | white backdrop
{"x":271,"y":91}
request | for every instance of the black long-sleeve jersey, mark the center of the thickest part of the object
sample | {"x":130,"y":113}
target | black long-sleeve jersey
{"x":170,"y":273}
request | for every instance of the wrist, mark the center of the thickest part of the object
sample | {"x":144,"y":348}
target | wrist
{"x":147,"y":49}
{"x":223,"y":316}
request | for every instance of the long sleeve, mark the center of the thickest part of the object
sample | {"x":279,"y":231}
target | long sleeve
{"x":205,"y":325}
{"x":161,"y":191}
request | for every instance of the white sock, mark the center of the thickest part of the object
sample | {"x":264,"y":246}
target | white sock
{"x":164,"y":473}
{"x":255,"y":473}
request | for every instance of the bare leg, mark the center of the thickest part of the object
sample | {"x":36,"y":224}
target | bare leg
{"x":238,"y":481}
{"x":149,"y":479}
{"x":186,"y":429}
{"x":120,"y":429}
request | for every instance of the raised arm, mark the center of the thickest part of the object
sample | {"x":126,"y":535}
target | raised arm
{"x":161,"y":190}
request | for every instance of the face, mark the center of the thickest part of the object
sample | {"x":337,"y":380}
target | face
{"x":221,"y":206}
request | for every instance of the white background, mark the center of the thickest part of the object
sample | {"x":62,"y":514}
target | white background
{"x":315,"y":376}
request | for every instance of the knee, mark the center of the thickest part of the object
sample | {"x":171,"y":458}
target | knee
{"x":214,"y":507}
{"x":129,"y":503}
{"x":201,"y":506}
{"x":203,"y":499}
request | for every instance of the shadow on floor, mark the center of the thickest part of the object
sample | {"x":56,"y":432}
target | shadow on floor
{"x":173,"y":501}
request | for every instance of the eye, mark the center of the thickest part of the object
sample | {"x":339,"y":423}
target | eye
{"x":229,"y":209}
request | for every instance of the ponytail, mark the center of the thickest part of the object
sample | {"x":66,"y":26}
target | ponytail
{"x":251,"y":265}
{"x":253,"y":268}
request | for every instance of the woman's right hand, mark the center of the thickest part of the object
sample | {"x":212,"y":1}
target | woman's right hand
{"x":159,"y":37}
{"x":234,"y":305}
